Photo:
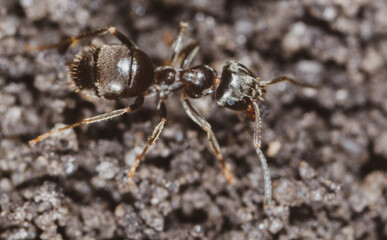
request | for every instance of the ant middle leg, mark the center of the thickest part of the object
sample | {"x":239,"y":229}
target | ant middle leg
{"x":151,"y":140}
{"x":291,"y":80}
{"x":182,"y":57}
{"x":199,"y":120}
{"x":69,"y":42}
{"x":138,"y":103}
{"x":188,"y":53}
{"x":176,"y":45}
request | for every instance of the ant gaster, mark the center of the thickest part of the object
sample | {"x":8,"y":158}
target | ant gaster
{"x":121,"y":71}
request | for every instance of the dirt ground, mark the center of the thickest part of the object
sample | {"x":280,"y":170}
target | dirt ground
{"x":326,"y":148}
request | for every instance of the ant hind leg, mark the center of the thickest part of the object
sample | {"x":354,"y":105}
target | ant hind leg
{"x":139,"y":101}
{"x":65,"y":44}
{"x":151,"y":140}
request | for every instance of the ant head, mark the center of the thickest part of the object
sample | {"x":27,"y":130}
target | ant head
{"x":237,"y":87}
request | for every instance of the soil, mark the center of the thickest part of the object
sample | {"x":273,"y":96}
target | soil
{"x":326,"y":148}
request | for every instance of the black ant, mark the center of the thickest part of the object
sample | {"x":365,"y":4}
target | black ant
{"x":121,"y":71}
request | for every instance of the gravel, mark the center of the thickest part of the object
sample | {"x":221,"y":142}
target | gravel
{"x":326,"y":148}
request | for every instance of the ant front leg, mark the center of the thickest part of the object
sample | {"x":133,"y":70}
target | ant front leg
{"x":262,"y":159}
{"x":69,"y":42}
{"x":199,"y":120}
{"x":138,"y":103}
{"x":151,"y":140}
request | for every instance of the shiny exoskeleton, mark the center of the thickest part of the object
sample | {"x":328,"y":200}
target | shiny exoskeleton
{"x":122,"y":71}
{"x":112,"y":72}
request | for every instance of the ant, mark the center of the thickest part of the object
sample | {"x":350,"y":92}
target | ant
{"x":114,"y":72}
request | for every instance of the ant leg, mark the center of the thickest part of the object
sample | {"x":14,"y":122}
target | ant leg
{"x":293,"y":81}
{"x":262,"y":159}
{"x":139,"y":101}
{"x":176,"y":46}
{"x":185,"y":55}
{"x":199,"y":120}
{"x":188,"y":53}
{"x":69,"y":42}
{"x":152,"y":139}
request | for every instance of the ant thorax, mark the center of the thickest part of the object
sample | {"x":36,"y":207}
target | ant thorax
{"x":196,"y":81}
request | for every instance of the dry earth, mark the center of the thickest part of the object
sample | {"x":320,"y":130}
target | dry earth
{"x":327,"y":149}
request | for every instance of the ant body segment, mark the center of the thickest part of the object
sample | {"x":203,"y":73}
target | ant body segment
{"x":114,"y":72}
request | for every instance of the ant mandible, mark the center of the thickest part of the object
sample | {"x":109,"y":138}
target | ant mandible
{"x":121,"y":71}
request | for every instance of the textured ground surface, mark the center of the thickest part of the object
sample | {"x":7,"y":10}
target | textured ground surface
{"x":327,"y":149}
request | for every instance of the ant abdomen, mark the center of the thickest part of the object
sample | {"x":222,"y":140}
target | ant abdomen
{"x":237,"y":87}
{"x":113,"y":72}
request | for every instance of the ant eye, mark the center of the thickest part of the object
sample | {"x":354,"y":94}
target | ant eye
{"x":230,"y":102}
